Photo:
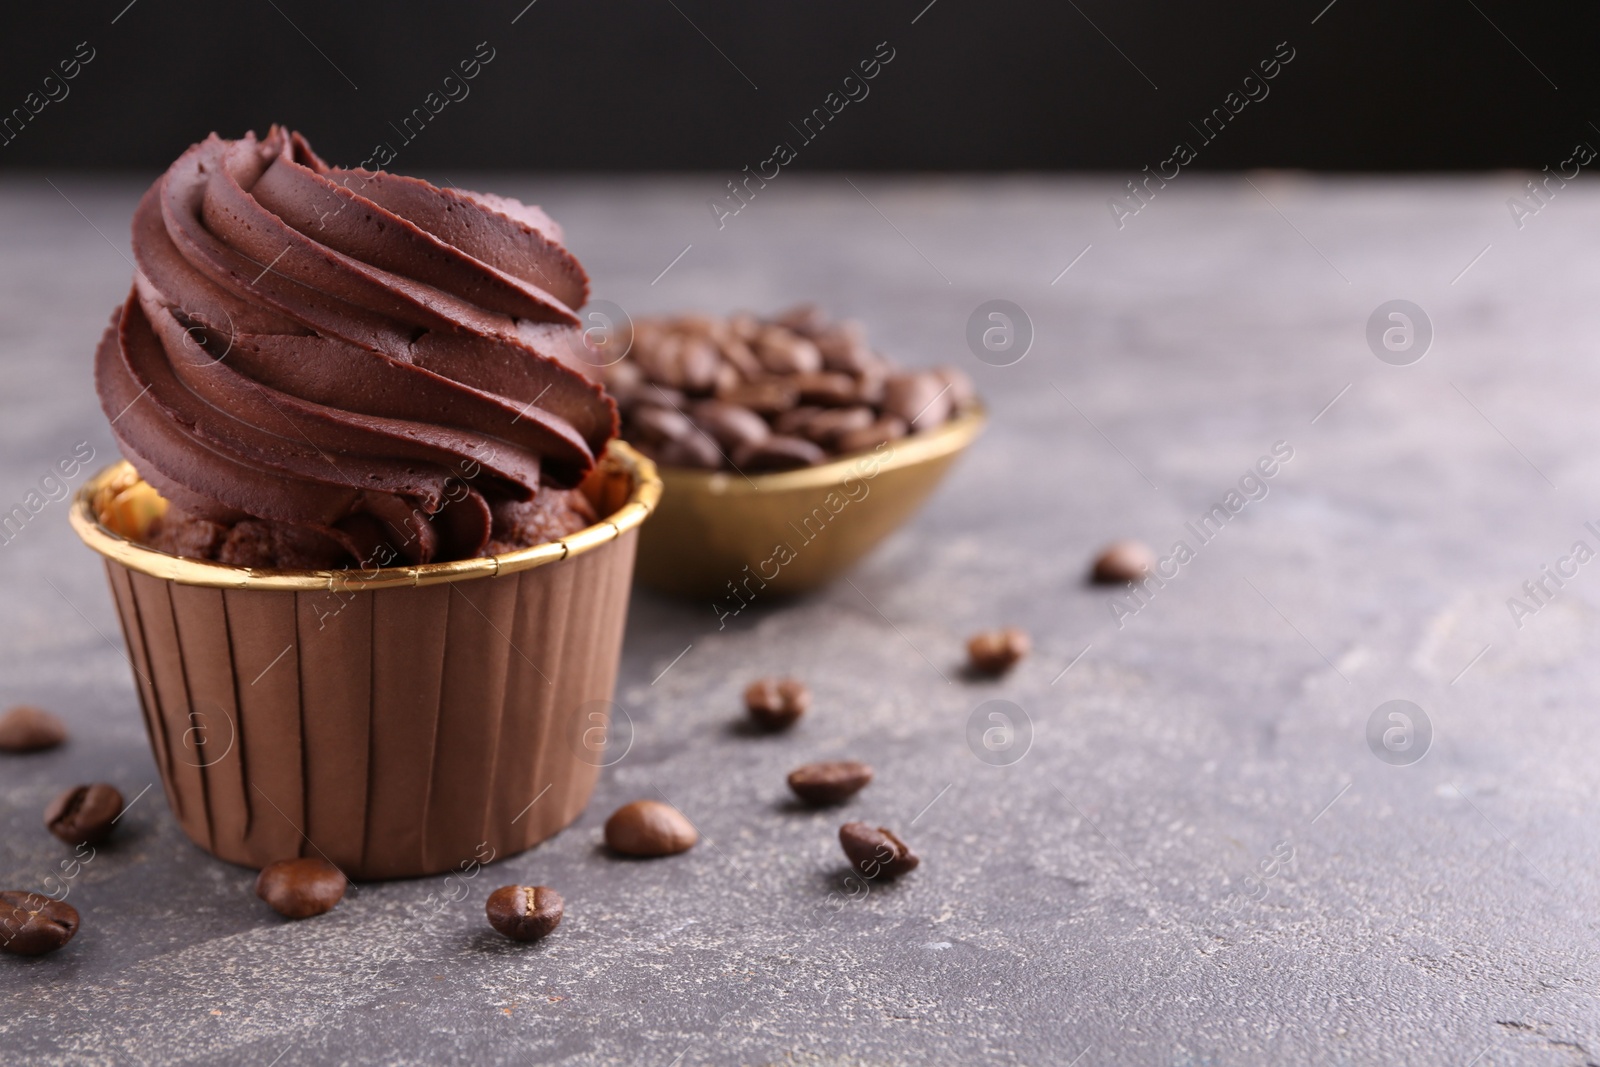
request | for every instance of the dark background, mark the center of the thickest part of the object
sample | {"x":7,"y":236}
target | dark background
{"x":975,"y":84}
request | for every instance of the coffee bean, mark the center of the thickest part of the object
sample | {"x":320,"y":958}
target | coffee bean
{"x":700,"y":360}
{"x":826,"y":388}
{"x":25,"y":728}
{"x":301,"y":888}
{"x":922,"y":400}
{"x":794,"y":422}
{"x":876,"y":852}
{"x":889,"y":428}
{"x":997,"y":651}
{"x":744,"y":326}
{"x":31,"y":925}
{"x":1122,"y":561}
{"x":777,"y":453}
{"x":769,"y":396}
{"x":833,"y":782}
{"x":84,"y":814}
{"x":649,"y":828}
{"x":826,"y":427}
{"x":730,"y":424}
{"x":697,"y":450}
{"x":806,"y":319}
{"x":962,"y":392}
{"x":777,"y":703}
{"x":655,"y":424}
{"x":524,"y":912}
{"x":783,"y":352}
{"x":736,"y":351}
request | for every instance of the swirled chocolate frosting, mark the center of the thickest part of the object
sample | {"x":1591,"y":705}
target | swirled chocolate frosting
{"x":348,"y":359}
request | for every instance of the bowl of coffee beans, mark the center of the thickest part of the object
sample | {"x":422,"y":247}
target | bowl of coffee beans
{"x":788,"y":447}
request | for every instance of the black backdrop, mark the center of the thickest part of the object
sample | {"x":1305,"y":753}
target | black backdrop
{"x":674,"y":84}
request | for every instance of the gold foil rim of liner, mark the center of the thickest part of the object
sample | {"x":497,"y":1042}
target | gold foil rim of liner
{"x":913,"y":448}
{"x":643,"y":495}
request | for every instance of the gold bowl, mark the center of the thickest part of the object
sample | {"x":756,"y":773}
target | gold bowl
{"x":725,"y":534}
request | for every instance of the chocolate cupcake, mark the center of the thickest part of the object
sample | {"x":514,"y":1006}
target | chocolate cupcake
{"x":372,"y":543}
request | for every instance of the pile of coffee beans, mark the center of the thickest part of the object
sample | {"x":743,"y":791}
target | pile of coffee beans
{"x":748,"y":394}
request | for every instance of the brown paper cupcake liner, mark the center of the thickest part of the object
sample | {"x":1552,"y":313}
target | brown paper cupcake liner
{"x":401,"y":722}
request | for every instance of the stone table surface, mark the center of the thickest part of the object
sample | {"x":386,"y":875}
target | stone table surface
{"x":1189,"y":853}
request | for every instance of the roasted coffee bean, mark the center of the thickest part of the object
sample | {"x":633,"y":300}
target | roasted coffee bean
{"x":649,"y":828}
{"x":807,"y":319}
{"x":826,"y":427}
{"x":25,"y":728}
{"x":769,"y":396}
{"x":739,"y":356}
{"x":301,"y":888}
{"x":1122,"y":561}
{"x":700,"y":362}
{"x":844,"y":347}
{"x":962,"y":392}
{"x":889,"y":428}
{"x":922,"y":400}
{"x":744,"y":326}
{"x":778,"y":453}
{"x":795,"y":422}
{"x":777,"y":703}
{"x":833,"y":782}
{"x":662,"y":362}
{"x":826,"y":388}
{"x":997,"y":651}
{"x":783,"y":352}
{"x":31,"y":925}
{"x":876,"y":852}
{"x":85,"y":814}
{"x":696,"y":451}
{"x":524,"y":912}
{"x":655,"y":424}
{"x":730,"y":424}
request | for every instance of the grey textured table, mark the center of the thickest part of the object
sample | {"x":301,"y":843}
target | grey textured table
{"x":1198,"y":859}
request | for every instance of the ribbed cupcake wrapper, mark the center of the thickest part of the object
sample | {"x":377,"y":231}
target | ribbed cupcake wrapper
{"x":395,"y":731}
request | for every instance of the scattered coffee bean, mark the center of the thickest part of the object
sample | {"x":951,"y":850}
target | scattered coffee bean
{"x":997,"y":651}
{"x":649,"y":828}
{"x":833,"y":782}
{"x":782,"y":393}
{"x":31,"y":925}
{"x":1123,"y":561}
{"x":84,"y":814}
{"x":876,"y":852}
{"x":524,"y":912}
{"x":25,"y":728}
{"x":301,"y":888}
{"x":777,"y":703}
